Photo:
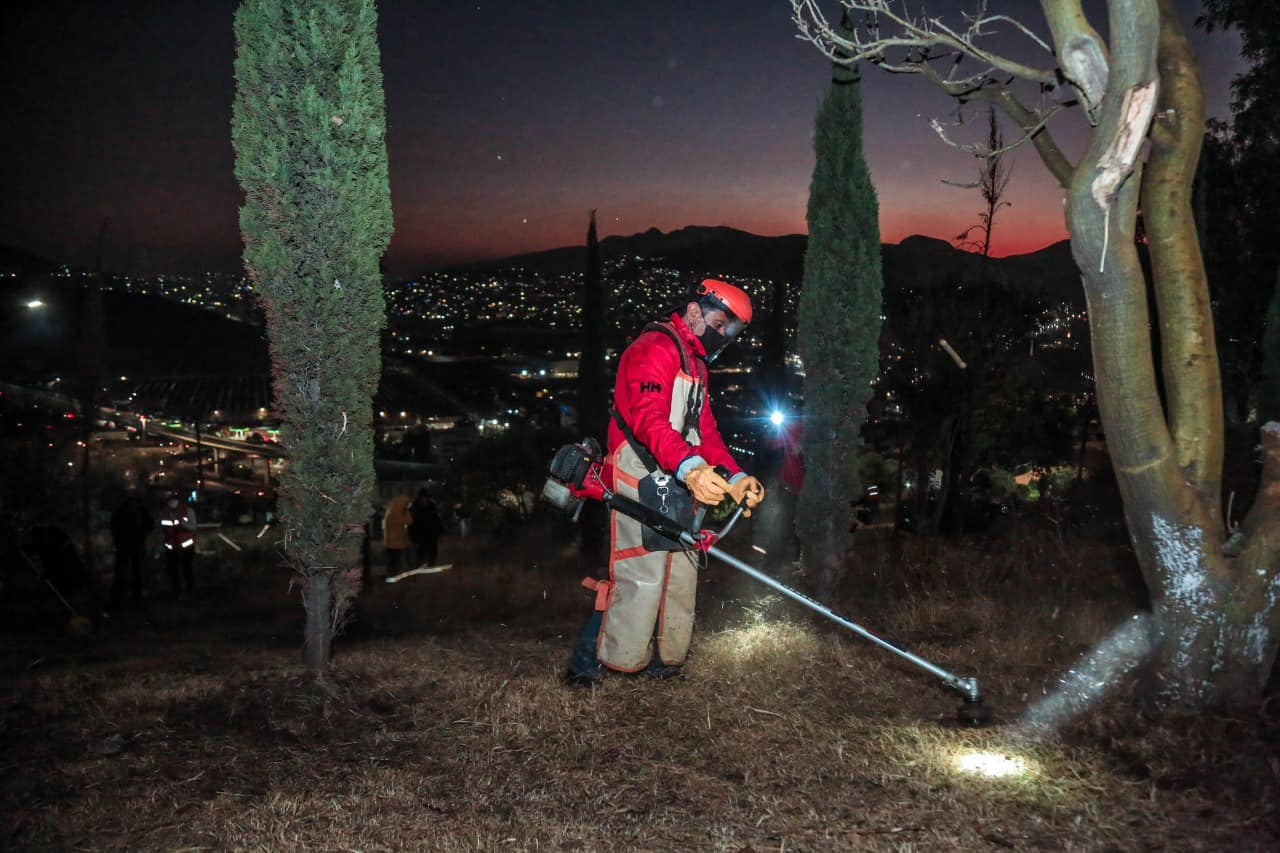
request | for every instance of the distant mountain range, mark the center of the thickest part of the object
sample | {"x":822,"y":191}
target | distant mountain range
{"x":150,"y":336}
{"x":920,"y":263}
{"x":22,"y":262}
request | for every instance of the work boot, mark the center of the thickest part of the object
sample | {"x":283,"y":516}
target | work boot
{"x":661,"y":672}
{"x":584,"y":667}
{"x":579,"y":679}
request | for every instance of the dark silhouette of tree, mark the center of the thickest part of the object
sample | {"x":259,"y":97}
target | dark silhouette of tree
{"x":309,"y":128}
{"x":839,"y":328}
{"x":593,"y":381}
{"x":992,"y":181}
{"x":91,"y":348}
{"x":594,"y":393}
{"x":1240,"y":189}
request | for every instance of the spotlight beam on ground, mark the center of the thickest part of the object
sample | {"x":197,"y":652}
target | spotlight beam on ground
{"x":1092,"y":676}
{"x":994,"y":765}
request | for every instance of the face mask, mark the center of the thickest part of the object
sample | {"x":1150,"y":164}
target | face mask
{"x":713,"y":342}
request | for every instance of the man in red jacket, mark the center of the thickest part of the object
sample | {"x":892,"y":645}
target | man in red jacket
{"x":663,"y":429}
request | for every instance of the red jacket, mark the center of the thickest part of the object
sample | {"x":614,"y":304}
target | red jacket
{"x":642,"y":395}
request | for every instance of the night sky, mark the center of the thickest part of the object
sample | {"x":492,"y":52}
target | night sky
{"x":508,"y":123}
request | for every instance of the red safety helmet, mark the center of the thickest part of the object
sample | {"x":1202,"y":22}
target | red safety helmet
{"x":734,"y":299}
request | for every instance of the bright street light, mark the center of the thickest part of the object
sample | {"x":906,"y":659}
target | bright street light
{"x":34,"y":304}
{"x":776,"y":418}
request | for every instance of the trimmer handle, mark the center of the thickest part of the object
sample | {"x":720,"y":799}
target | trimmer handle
{"x":737,"y":509}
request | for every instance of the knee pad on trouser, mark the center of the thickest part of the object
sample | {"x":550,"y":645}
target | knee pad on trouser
{"x":653,"y":592}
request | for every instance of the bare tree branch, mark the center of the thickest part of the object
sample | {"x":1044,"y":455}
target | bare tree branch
{"x":978,"y":149}
{"x":1032,"y":124}
{"x":920,"y":43}
{"x":918,"y":37}
{"x":1020,"y":26}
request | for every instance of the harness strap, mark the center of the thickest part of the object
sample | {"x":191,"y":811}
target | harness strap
{"x":692,"y":407}
{"x":642,"y":452}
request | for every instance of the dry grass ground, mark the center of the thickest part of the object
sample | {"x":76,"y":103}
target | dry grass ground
{"x":444,"y":725}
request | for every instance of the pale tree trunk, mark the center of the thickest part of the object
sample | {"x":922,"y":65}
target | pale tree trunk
{"x":1215,"y":618}
{"x":1216,"y":600}
{"x":1269,"y":388}
{"x":1251,"y":631}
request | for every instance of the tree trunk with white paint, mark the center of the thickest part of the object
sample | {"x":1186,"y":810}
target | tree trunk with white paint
{"x":1215,"y":614}
{"x":1215,"y":596}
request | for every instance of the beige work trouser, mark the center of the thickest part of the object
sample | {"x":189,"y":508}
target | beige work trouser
{"x":652,"y":593}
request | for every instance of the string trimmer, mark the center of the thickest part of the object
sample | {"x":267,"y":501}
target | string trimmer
{"x":577,"y":477}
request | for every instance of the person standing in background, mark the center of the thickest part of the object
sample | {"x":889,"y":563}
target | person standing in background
{"x":426,"y":528}
{"x":395,"y":531}
{"x":178,"y":524}
{"x":130,"y":524}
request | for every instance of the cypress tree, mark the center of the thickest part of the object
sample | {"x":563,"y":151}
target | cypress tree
{"x":839,"y":327}
{"x":593,"y":383}
{"x":593,"y":388}
{"x":91,"y":346}
{"x":309,"y":127}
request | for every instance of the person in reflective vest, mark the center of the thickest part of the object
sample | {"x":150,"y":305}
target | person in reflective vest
{"x":662,"y":429}
{"x":178,"y":527}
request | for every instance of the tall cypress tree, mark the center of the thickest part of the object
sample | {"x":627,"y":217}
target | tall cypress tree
{"x":309,"y":130}
{"x":91,"y":346}
{"x":593,"y":382}
{"x":593,"y":388}
{"x":839,"y":327}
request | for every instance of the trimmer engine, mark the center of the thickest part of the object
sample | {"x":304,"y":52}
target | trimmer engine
{"x":577,"y":474}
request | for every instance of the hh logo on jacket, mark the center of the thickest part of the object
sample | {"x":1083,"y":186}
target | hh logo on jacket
{"x":651,"y":386}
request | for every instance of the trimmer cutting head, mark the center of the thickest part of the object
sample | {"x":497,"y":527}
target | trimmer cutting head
{"x":973,"y":713}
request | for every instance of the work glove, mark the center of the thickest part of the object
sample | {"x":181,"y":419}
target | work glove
{"x":707,"y":486}
{"x":750,"y":489}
